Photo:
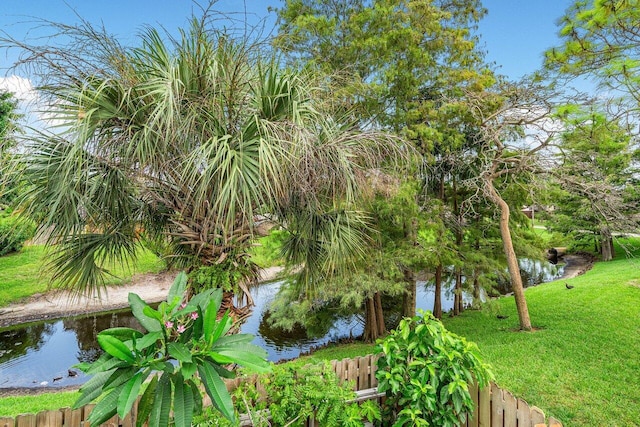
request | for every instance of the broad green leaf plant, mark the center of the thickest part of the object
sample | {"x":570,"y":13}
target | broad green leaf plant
{"x":185,"y":346}
{"x":425,"y":371}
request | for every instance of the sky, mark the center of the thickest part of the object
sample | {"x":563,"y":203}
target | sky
{"x":515,"y":33}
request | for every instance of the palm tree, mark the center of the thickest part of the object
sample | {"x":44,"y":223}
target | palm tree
{"x":185,"y":141}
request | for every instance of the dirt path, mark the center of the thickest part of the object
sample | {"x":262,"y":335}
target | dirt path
{"x":150,"y":287}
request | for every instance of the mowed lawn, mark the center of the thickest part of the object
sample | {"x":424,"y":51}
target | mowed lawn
{"x":582,"y":365}
{"x":26,"y":273}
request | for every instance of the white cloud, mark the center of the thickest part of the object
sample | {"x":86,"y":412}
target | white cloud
{"x":29,"y":104}
{"x":21,"y":88}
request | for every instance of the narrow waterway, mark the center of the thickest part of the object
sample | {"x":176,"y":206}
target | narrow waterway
{"x":43,"y":354}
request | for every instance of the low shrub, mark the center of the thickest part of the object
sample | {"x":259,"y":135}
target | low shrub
{"x":425,"y":371}
{"x":292,"y":394}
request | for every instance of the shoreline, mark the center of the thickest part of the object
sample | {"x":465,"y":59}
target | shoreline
{"x":576,"y":265}
{"x":152,"y":288}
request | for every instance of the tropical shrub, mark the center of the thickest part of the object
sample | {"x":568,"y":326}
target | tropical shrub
{"x":425,"y":371}
{"x":292,"y":394}
{"x":183,"y":338}
{"x":297,"y":393}
{"x":13,"y":233}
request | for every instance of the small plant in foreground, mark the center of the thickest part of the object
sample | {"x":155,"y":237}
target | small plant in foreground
{"x":425,"y":371}
{"x":292,"y":394}
{"x":297,"y":393}
{"x":183,"y":338}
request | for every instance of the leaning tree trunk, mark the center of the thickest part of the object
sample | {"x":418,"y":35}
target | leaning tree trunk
{"x":510,"y":254}
{"x":437,"y":298}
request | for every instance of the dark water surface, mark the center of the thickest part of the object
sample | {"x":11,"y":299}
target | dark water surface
{"x":42,"y":354}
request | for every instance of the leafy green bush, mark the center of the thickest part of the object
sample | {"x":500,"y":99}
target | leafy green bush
{"x":13,"y":233}
{"x":425,"y":371}
{"x":295,"y":394}
{"x":292,"y":394}
{"x":183,"y":337}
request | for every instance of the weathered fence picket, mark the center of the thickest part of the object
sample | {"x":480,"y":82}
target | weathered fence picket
{"x":494,"y":407}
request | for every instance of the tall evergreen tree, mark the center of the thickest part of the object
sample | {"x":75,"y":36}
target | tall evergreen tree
{"x":601,"y":38}
{"x":399,"y":62}
{"x":598,"y":177}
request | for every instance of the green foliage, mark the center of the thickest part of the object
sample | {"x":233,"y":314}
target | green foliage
{"x":183,"y":337}
{"x":390,"y":56}
{"x":14,"y":231}
{"x":596,"y":181}
{"x":8,"y":115}
{"x":425,"y":371}
{"x":224,"y":276}
{"x":8,"y":130}
{"x":189,"y":139}
{"x":600,"y":38}
{"x":292,"y":394}
{"x":268,"y":249}
{"x":297,"y":393}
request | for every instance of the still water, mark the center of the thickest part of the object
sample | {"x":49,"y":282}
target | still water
{"x":43,"y":354}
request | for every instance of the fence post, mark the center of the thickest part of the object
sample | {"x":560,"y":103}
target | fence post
{"x":49,"y":418}
{"x":537,"y":416}
{"x":484,"y":407}
{"x":26,"y":420}
{"x":510,"y":409}
{"x":472,"y":419}
{"x":554,"y":423}
{"x":524,"y":414}
{"x":497,"y":406}
{"x":364,"y":364}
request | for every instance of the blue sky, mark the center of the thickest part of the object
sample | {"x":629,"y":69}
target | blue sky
{"x":515,"y":33}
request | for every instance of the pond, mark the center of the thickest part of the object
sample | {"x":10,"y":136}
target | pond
{"x":42,"y":354}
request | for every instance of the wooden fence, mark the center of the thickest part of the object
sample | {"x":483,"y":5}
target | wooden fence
{"x":494,"y":407}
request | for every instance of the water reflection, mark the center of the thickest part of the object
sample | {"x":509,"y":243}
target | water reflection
{"x":36,"y":354}
{"x":41,"y":354}
{"x":533,"y":272}
{"x":281,"y":344}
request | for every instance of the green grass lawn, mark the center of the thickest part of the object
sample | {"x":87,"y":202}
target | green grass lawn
{"x":582,"y":365}
{"x":25,"y":273}
{"x":12,"y":406}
